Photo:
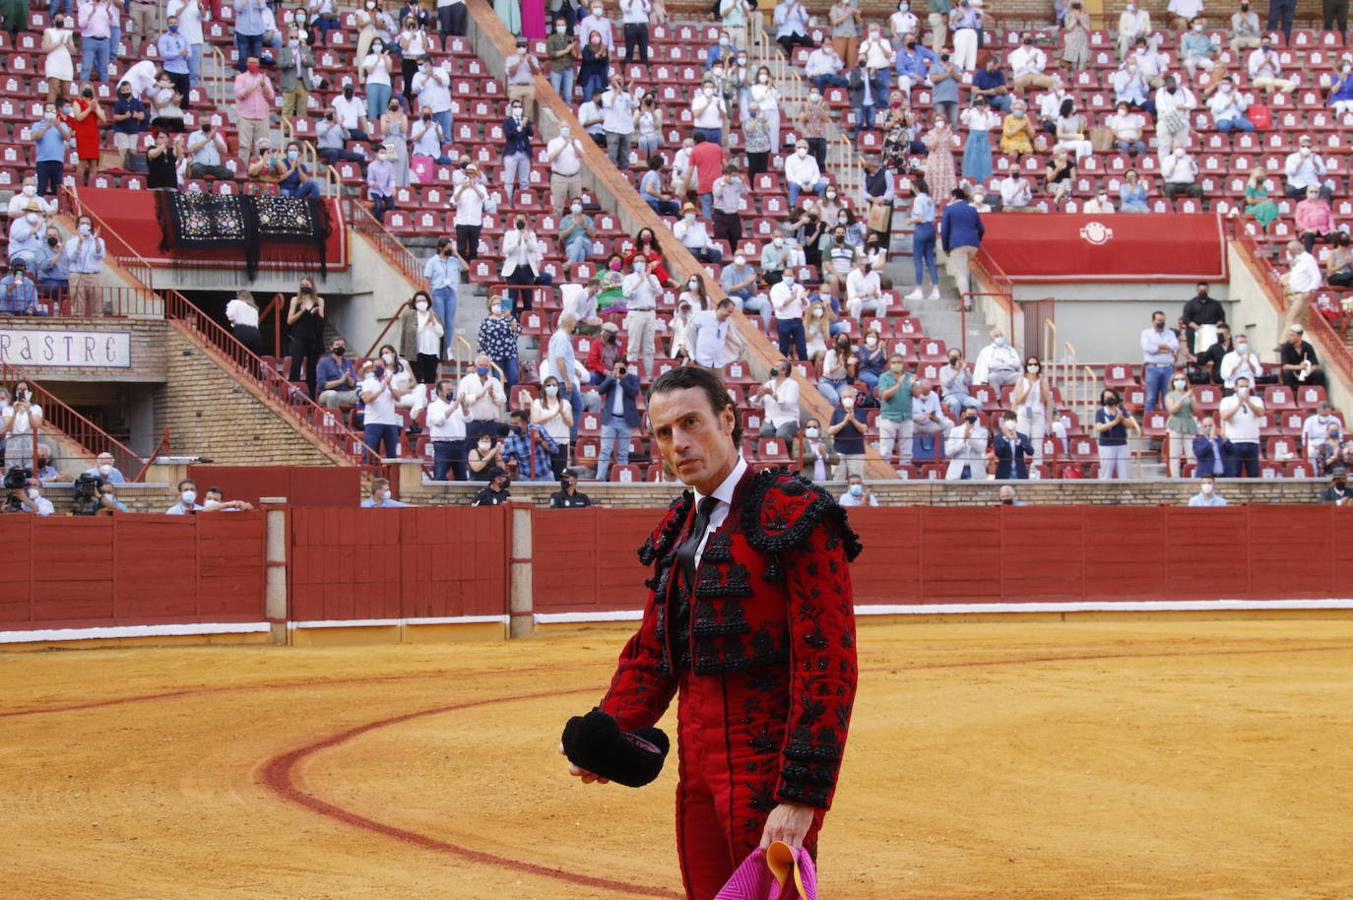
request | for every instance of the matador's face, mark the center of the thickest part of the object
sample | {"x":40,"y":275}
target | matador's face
{"x":696,"y":442}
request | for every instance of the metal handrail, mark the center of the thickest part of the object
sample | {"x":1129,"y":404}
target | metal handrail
{"x":363,"y":222}
{"x":399,"y":311}
{"x":162,"y":446}
{"x":63,"y":419}
{"x":274,"y":308}
{"x":126,"y":256}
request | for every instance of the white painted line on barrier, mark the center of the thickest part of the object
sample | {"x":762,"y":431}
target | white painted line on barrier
{"x":130,"y":631}
{"x":617,"y":615}
{"x":388,"y":623}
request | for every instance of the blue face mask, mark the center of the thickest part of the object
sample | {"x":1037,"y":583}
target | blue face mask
{"x":481,"y":371}
{"x":857,"y":490}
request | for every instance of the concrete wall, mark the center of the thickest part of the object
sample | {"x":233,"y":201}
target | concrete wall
{"x":377,"y":290}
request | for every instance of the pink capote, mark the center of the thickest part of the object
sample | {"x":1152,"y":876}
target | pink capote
{"x":779,"y":872}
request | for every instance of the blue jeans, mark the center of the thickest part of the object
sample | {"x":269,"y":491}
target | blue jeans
{"x":825,"y":81}
{"x":999,"y":102}
{"x":562,"y":82}
{"x":575,"y":401}
{"x":713,"y":135}
{"x":1137,"y":148}
{"x":795,"y":191}
{"x":750,"y":303}
{"x":509,"y":367}
{"x":252,"y":45}
{"x":831,"y":389}
{"x":446,"y":122}
{"x":194,"y":65}
{"x":706,"y":206}
{"x":94,"y":56}
{"x":1157,"y":383}
{"x":923,"y":253}
{"x":578,"y":248}
{"x":870,"y":379}
{"x":49,"y":175}
{"x":864,"y":118}
{"x":790,"y":331}
{"x":377,"y":97}
{"x":306,"y":190}
{"x":448,"y":456}
{"x":380,"y":205}
{"x":444,"y":305}
{"x":1239,"y":123}
{"x":62,"y":6}
{"x":324,"y":25}
{"x":615,"y":441}
{"x":382,"y":441}
{"x":1244,"y":463}
{"x":593,"y":84}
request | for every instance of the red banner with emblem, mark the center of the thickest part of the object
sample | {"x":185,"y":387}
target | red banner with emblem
{"x":1115,"y":247}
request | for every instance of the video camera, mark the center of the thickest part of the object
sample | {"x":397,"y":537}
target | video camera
{"x":16,"y":480}
{"x":85,"y":496}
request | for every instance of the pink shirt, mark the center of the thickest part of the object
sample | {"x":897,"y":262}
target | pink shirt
{"x":258,"y":104}
{"x":94,"y":20}
{"x":1314,"y":215}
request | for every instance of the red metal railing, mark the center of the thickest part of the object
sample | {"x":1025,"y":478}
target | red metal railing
{"x":361,"y":220}
{"x":105,"y":301}
{"x":1266,"y":273}
{"x":394,"y":319}
{"x":60,"y":421}
{"x":276,"y":307}
{"x":304,"y":412}
{"x":161,"y":448}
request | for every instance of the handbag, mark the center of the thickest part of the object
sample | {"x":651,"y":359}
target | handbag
{"x":422,"y":168}
{"x":1101,"y":138}
{"x":779,"y":872}
{"x":1260,"y":116}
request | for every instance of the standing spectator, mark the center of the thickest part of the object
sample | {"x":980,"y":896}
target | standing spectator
{"x":707,"y":164}
{"x":1174,"y":103}
{"x":944,"y":78}
{"x":523,"y":261}
{"x":96,"y":18}
{"x":87,"y":121}
{"x":1134,"y":24}
{"x":189,"y":16}
{"x":414,"y":44}
{"x":788,"y":299}
{"x":895,"y":412}
{"x":846,"y":21}
{"x":815,"y":449}
{"x":380,"y":183}
{"x":1111,"y":424}
{"x":522,"y":67}
{"x":728,"y":193}
{"x":242,"y":314}
{"x":498,"y":333}
{"x":49,"y":135}
{"x":1297,"y":360}
{"x":977,"y":152}
{"x":1214,"y":454}
{"x":815,"y":120}
{"x":565,"y":157}
{"x":336,"y":377}
{"x":1181,"y":426}
{"x":555,"y":417}
{"x":764,"y":96}
{"x":847,"y":431}
{"x":1159,"y":346}
{"x":469,"y":197}
{"x":576,"y":234}
{"x":595,"y":71}
{"x":634,"y":16}
{"x":1207,"y":493}
{"x":756,"y":141}
{"x":562,"y":54}
{"x":446,"y":429}
{"x":618,"y":110}
{"x":562,"y":365}
{"x":1240,"y":414}
{"x":432,"y":85}
{"x":430,"y":333}
{"x":305,"y":318}
{"x":1305,"y":168}
{"x":648,"y":122}
{"x":1239,"y":363}
{"x":1033,"y":403}
{"x":961,"y":232}
{"x":376,"y":70}
{"x":250,"y":24}
{"x":295,"y":67}
{"x":839,"y":367}
{"x":529,"y":448}
{"x":394,"y":134}
{"x":1202,"y":315}
{"x":85,"y":252}
{"x":619,"y":417}
{"x":710,"y":335}
{"x":600,"y":25}
{"x":482,"y":396}
{"x":641,"y":290}
{"x":254,"y":96}
{"x":1076,"y":43}
{"x":679,"y":325}
{"x":58,"y":47}
{"x":517,"y":134}
{"x":709,"y":113}
{"x":922,"y":219}
{"x":1012,"y":450}
{"x":1299,"y":283}
{"x":175,"y":53}
{"x":966,"y":445}
{"x":939,"y":164}
{"x":780,"y":399}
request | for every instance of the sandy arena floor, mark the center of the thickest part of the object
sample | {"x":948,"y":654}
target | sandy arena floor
{"x":1098,"y":759}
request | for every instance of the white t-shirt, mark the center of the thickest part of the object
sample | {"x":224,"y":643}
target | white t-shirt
{"x":446,"y":421}
{"x":189,"y":14}
{"x":430,"y":333}
{"x":433,"y":94}
{"x":21,"y":423}
{"x":1243,"y":427}
{"x":381,"y":409}
{"x":349,"y":111}
{"x":380,"y":71}
{"x":240,"y":313}
{"x":470,"y":205}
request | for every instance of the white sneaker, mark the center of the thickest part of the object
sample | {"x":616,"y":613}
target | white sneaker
{"x":934,"y":294}
{"x":916,"y":294}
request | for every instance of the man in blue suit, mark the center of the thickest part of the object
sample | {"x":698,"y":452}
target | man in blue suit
{"x":619,"y":416}
{"x":1212,"y":452}
{"x":1012,"y":450}
{"x":961,"y":233}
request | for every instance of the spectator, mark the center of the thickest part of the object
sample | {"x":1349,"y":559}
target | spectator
{"x":1050,"y":105}
{"x":1012,"y":450}
{"x":1341,"y":89}
{"x":1207,"y":493}
{"x":598,"y":23}
{"x":780,"y":398}
{"x":764,"y":96}
{"x":1071,"y":131}
{"x":846,"y":21}
{"x":895,"y":423}
{"x":857,"y":494}
{"x":739,"y":282}
{"x":19,"y":422}
{"x":294,"y":177}
{"x":1133,"y":25}
{"x":498,"y":333}
{"x":641,"y":290}
{"x":1240,"y":362}
{"x":1127,"y":127}
{"x":331,"y":142}
{"x":679,"y":325}
{"x":1315,"y":220}
{"x":1228,"y":108}
{"x":925,"y":409}
{"x":1180,"y":427}
{"x":432,"y":85}
{"x":53,"y":266}
{"x":595,"y":72}
{"x":336,"y":377}
{"x":1316,"y":427}
{"x":791,"y":26}
{"x":564,"y":154}
{"x":997,"y":364}
{"x":1159,"y":346}
{"x":1180,"y":171}
{"x":713,"y":175}
{"x":1196,"y":50}
{"x":31,"y":499}
{"x":242,"y":314}
{"x":550,"y":413}
{"x":652,"y":191}
{"x":576,"y":233}
{"x":710,"y":335}
{"x":381,"y":497}
{"x":847,"y":431}
{"x":1099,"y":204}
{"x":1214,"y":454}
{"x":1132,"y":194}
{"x":305,"y":319}
{"x":1266,"y":69}
{"x":756,"y":141}
{"x":206,"y":149}
{"x":1174,"y":103}
{"x":966,"y":445}
{"x":97,"y":19}
{"x":619,"y":417}
{"x":1112,"y":421}
{"x":380,"y":420}
{"x":1033,"y":402}
{"x":1028,"y":65}
{"x":375,"y":72}
{"x":944,"y":79}
{"x":863,"y":289}
{"x":562,"y":54}
{"x":955,"y":382}
{"x":166,"y":110}
{"x":818,"y":329}
{"x":802,"y":174}
{"x":977,"y":151}
{"x":25,"y":237}
{"x":522,"y":67}
{"x":1240,"y":414}
{"x":485,"y":456}
{"x":18,"y":291}
{"x":174,"y":53}
{"x":961,"y":232}
{"x":690,"y":231}
{"x":529,"y":448}
{"x":568,"y":496}
{"x":823,"y":68}
{"x":1339,"y":266}
{"x":814,"y":451}
{"x":903,"y":23}
{"x":187,"y":503}
{"x":50,"y":135}
{"x":1076,"y":43}
{"x":1300,"y":281}
{"x":469,"y":197}
{"x":443,"y":271}
{"x":1332,"y":450}
{"x":709,"y":114}
{"x":517,"y":134}
{"x":1017,"y":131}
{"x":523,"y":261}
{"x":483,"y":398}
{"x":1298,"y":363}
{"x":215,"y":501}
{"x":189,"y":16}
{"x":1202,"y":315}
{"x":788,"y":299}
{"x":86,"y":120}
{"x":430,"y":333}
{"x":85,"y":252}
{"x":562,"y":365}
{"x":254,"y":97}
{"x":777,"y":256}
{"x":104,"y":468}
{"x":864,"y":98}
{"x":348,"y":111}
{"x":295,"y":68}
{"x":26,"y":200}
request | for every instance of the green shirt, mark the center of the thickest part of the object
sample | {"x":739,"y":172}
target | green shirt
{"x":898,"y":407}
{"x":556,"y":43}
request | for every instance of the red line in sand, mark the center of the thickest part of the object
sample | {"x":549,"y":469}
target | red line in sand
{"x":278,"y":776}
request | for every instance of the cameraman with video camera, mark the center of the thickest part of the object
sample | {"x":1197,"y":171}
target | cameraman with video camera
{"x":87,"y":495}
{"x":25,"y":494}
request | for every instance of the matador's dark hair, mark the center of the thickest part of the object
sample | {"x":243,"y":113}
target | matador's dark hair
{"x":708,"y":380}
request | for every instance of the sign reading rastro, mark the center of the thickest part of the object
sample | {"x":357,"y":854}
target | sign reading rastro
{"x":32,"y":348}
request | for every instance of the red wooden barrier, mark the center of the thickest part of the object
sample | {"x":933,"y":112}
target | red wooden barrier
{"x":301,"y":485}
{"x":349,"y":563}
{"x":131,"y":570}
{"x":587,"y":559}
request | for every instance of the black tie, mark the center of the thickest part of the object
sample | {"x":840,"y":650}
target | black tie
{"x":686,"y":552}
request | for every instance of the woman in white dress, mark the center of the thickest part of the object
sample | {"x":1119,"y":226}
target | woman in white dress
{"x":766,"y":98}
{"x":1032,"y":401}
{"x":554,"y":414}
{"x":59,"y":66}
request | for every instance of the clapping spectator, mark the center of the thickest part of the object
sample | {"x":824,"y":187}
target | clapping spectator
{"x":1011,"y":449}
{"x":380,"y":183}
{"x":550,"y":413}
{"x":788,"y":299}
{"x":1112,"y":421}
{"x":1028,"y":64}
{"x":498,"y":333}
{"x":739,"y":281}
{"x":562,"y":54}
{"x":1240,"y":419}
{"x":838,"y":370}
{"x":393,"y":133}
{"x":576,"y":233}
{"x":97,"y":19}
{"x":469,"y":197}
{"x":847,"y":430}
{"x":1314,"y":220}
{"x":53,"y":266}
{"x":523,"y":261}
{"x":780,"y":399}
{"x":206,"y":150}
{"x":1305,"y":168}
{"x":1266,"y":69}
{"x":709,"y":113}
{"x":295,"y":67}
{"x":58,"y":47}
{"x":1017,"y":131}
{"x":595,"y":72}
{"x":1059,"y":175}
{"x":85,"y":253}
{"x":1299,"y":282}
{"x":19,"y":422}
{"x":1228,"y":107}
{"x":756,"y":142}
{"x":518,"y":132}
{"x":1127,"y":126}
{"x":254,"y":95}
{"x":483,"y":397}
{"x":50,"y":135}
{"x":428,"y":140}
{"x":966,"y":445}
{"x":18,"y":291}
{"x":336,"y":377}
{"x":823,"y":68}
{"x":1132,"y":194}
{"x":857,"y":494}
{"x":485,"y":458}
{"x":1033,"y":403}
{"x":690,"y":231}
{"x":1196,"y":50}
{"x":528,"y":448}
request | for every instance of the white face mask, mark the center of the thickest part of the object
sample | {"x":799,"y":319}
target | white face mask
{"x":1179,"y":385}
{"x":690,"y":218}
{"x":388,"y":358}
{"x":740,"y":260}
{"x":1207,"y":487}
{"x":421,"y":306}
{"x":818,"y":313}
{"x":847,"y":402}
{"x":639,"y":267}
{"x":106,"y":469}
{"x":189,"y":497}
{"x":802,"y":152}
{"x":34,"y":493}
{"x":385,"y":495}
{"x":484,"y":446}
{"x":763,"y":78}
{"x":29,"y":190}
{"x":871,"y":341}
{"x":812,"y":433}
{"x":1031,"y":369}
{"x":576,"y":207}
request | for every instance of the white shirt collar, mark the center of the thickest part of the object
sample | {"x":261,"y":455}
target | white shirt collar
{"x":724,"y":492}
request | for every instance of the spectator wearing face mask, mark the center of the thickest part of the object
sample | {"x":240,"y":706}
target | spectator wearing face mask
{"x":498,"y":334}
{"x":469,"y":197}
{"x":254,"y":95}
{"x":529,"y":448}
{"x":1265,"y":70}
{"x":847,"y":430}
{"x":206,"y":150}
{"x":896,"y":426}
{"x":998,"y":363}
{"x":336,"y":377}
{"x":551,"y":413}
{"x":709,"y":113}
{"x":295,"y":68}
{"x":1240,"y":362}
{"x":780,"y":399}
{"x":53,"y":267}
{"x":1207,"y":493}
{"x":966,"y":445}
{"x":187,"y":501}
{"x":1240,"y":414}
{"x":1333,"y":451}
{"x":857,"y":494}
{"x":18,"y":292}
{"x":1317,"y":427}
{"x":432,"y":86}
{"x":1213,"y":453}
{"x":1245,"y":28}
{"x":710,"y":334}
{"x":32,"y":501}
{"x":380,"y":420}
{"x":19,"y":421}
{"x":576,"y":232}
{"x":955,"y":382}
{"x":641,"y":289}
{"x":724,"y":202}
{"x":305,"y":319}
{"x":380,"y":496}
{"x":1180,"y":427}
{"x":523,"y":261}
{"x":50,"y":136}
{"x":443,"y":270}
{"x":430,"y":333}
{"x":564,"y":154}
{"x":522,"y":67}
{"x":1159,"y":346}
{"x":1033,"y":403}
{"x":690,"y":231}
{"x":1299,"y":282}
{"x":496,"y":492}
{"x":873,"y":360}
{"x":1112,"y":422}
{"x":802,"y":174}
{"x":517,"y":134}
{"x":739,"y":282}
{"x":823,"y":68}
{"x":1012,"y":451}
